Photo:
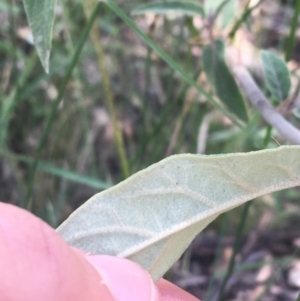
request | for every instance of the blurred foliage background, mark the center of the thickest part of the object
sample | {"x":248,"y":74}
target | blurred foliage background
{"x":158,"y":114}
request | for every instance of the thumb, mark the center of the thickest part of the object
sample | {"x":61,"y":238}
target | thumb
{"x":124,"y":280}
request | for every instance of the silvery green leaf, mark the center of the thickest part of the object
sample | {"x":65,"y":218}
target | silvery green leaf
{"x":153,"y":216}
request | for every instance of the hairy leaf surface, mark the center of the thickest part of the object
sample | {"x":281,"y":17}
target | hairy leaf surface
{"x":153,"y":216}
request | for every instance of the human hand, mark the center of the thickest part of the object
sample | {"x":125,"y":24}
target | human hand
{"x":36,"y":264}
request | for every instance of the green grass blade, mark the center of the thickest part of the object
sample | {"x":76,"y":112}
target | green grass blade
{"x":186,"y":8}
{"x":62,"y":173}
{"x":237,"y":242}
{"x":118,"y":11}
{"x":72,"y":176}
{"x":291,"y":39}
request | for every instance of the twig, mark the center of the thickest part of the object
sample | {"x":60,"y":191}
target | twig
{"x":268,"y":112}
{"x":203,"y":133}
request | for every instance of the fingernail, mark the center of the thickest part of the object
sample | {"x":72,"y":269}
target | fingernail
{"x":124,"y":279}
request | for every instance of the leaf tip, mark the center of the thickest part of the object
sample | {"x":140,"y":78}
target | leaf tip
{"x":45,"y":58}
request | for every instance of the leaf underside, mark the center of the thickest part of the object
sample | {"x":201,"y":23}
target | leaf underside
{"x":153,"y":216}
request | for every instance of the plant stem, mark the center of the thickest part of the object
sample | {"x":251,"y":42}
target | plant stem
{"x":55,"y":105}
{"x":236,"y":247}
{"x":291,"y":39}
{"x":268,"y":112}
{"x":247,"y":12}
{"x":268,"y":135}
{"x":96,"y":40}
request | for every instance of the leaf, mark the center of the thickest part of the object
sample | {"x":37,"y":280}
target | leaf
{"x":225,"y":8}
{"x":229,"y":12}
{"x":210,"y":7}
{"x":276,"y":74}
{"x":224,"y":85}
{"x":40,"y":15}
{"x":153,"y":216}
{"x":187,"y":8}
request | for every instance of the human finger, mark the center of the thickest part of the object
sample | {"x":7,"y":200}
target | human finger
{"x":36,"y":264}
